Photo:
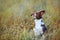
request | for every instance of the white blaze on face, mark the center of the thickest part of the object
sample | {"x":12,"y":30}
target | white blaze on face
{"x":34,"y":15}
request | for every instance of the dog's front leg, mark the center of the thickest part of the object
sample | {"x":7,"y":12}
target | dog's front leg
{"x":42,"y":37}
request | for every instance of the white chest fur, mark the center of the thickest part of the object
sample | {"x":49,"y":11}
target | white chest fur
{"x":38,"y":23}
{"x":37,"y":29}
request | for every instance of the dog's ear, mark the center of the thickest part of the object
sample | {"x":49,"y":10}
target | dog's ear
{"x":42,"y":11}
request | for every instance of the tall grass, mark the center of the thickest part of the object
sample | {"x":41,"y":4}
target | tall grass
{"x":17,"y":24}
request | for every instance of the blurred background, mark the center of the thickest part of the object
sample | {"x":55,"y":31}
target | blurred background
{"x":16,"y":22}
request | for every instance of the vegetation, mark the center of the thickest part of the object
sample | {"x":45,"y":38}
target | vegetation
{"x":16,"y":22}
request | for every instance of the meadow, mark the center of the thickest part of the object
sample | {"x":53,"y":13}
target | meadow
{"x":16,"y":22}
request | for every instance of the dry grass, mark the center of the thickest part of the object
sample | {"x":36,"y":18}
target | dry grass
{"x":16,"y":22}
{"x":17,"y":29}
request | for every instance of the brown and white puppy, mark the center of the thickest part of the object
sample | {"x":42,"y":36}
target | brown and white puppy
{"x":39,"y":28}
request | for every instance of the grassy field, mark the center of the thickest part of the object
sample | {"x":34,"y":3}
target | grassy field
{"x":17,"y":24}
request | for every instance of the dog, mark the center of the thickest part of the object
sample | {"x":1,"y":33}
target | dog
{"x":39,"y":28}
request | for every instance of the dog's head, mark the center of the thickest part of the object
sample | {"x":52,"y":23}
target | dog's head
{"x":38,"y":14}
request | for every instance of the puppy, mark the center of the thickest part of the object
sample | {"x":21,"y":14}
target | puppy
{"x":39,"y":28}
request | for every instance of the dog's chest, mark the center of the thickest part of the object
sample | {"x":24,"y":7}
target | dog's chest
{"x":37,"y":23}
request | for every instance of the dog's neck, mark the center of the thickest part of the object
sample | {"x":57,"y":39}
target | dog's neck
{"x":38,"y":19}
